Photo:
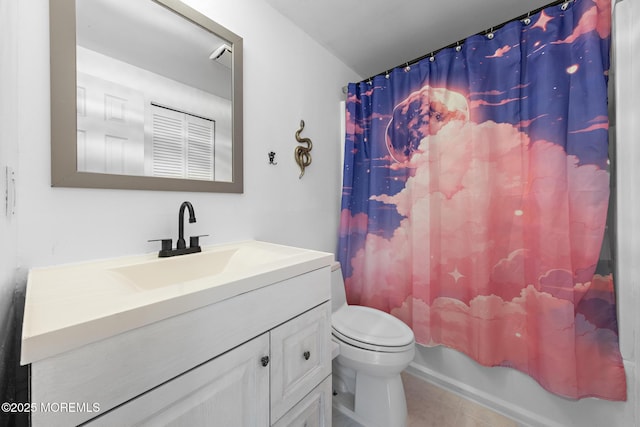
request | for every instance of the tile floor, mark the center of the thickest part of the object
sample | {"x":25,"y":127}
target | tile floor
{"x":431,"y":406}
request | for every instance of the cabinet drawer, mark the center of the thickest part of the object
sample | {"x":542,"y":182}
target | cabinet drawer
{"x":314,"y":410}
{"x":301,"y":358}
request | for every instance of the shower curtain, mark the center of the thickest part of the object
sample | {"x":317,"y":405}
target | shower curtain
{"x":475,"y":199}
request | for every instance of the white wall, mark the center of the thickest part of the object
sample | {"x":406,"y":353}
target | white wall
{"x":514,"y":393}
{"x":8,"y":158}
{"x":287,"y":77}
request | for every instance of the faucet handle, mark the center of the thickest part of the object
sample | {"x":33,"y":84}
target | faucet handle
{"x":194,"y":241}
{"x":166,"y":243}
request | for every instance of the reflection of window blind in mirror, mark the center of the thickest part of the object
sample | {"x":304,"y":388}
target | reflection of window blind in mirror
{"x":200,"y":146}
{"x":183,"y":144}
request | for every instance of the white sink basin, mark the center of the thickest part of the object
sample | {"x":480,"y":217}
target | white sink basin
{"x":181,"y":269}
{"x":71,"y":305}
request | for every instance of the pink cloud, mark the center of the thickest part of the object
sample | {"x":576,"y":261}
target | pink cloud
{"x":354,"y":99}
{"x":496,"y":332}
{"x":380,"y":116}
{"x":597,"y":126}
{"x":603,"y":27}
{"x":542,"y":21}
{"x":596,"y":18}
{"x":598,"y":123}
{"x":500,"y":52}
{"x":489,"y":92}
{"x":599,"y":119}
{"x":603,"y":284}
{"x":559,"y":283}
{"x":587,"y":23}
{"x":600,"y":287}
{"x":357,"y":223}
{"x":506,"y":275}
{"x":352,"y":128}
{"x":527,"y":123}
{"x":470,"y":183}
{"x":595,"y":345}
{"x":417,"y":314}
{"x":370,"y":91}
{"x":478,"y":102}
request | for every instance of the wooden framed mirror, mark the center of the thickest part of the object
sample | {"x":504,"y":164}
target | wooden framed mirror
{"x":145,"y":94}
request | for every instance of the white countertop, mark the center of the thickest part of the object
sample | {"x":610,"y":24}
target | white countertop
{"x":72,"y":305}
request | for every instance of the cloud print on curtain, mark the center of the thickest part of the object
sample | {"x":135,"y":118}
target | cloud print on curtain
{"x":475,"y":199}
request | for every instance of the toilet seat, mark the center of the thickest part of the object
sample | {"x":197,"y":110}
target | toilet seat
{"x":371,"y":329}
{"x":370,"y":347}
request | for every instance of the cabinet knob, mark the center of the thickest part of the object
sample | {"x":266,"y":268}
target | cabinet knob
{"x":306,"y":355}
{"x":264,"y":360}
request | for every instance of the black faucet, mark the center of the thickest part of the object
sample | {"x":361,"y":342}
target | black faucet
{"x":181,"y":247}
{"x":180,"y":244}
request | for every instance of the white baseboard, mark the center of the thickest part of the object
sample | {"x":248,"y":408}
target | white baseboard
{"x":516,"y":413}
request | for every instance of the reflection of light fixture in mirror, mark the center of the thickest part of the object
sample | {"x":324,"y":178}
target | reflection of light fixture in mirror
{"x":222,"y":55}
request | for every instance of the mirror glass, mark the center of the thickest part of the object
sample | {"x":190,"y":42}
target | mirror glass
{"x":157,"y":99}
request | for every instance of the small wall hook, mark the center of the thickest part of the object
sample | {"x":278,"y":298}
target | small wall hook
{"x":302,"y":154}
{"x":272,"y":156}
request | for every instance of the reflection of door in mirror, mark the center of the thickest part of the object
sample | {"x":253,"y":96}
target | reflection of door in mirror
{"x":110,"y":127}
{"x":149,"y":103}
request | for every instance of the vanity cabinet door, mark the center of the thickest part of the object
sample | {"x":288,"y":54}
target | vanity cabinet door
{"x":314,"y":410}
{"x":230,"y":390}
{"x":301,"y":358}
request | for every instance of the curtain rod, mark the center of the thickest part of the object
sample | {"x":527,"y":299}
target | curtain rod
{"x":460,"y":42}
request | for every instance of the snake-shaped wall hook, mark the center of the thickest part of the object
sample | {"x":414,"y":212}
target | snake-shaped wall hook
{"x":302,"y":155}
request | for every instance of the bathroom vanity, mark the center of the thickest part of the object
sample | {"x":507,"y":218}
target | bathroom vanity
{"x":237,"y":335}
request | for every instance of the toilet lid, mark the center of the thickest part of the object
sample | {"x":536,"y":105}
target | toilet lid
{"x":370,"y":326}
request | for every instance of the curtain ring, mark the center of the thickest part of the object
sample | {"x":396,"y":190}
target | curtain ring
{"x":407,"y":68}
{"x":490,"y":34}
{"x":458,"y":47}
{"x":386,"y":75}
{"x":432,"y":58}
{"x":527,"y":20}
{"x":565,"y":5}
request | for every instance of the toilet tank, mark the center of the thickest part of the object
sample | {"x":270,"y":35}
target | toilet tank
{"x":338,"y":295}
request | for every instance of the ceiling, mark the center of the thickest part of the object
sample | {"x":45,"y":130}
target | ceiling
{"x":165,"y":43}
{"x":372,"y":36}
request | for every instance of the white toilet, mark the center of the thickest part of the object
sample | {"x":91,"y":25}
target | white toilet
{"x":374,"y":348}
